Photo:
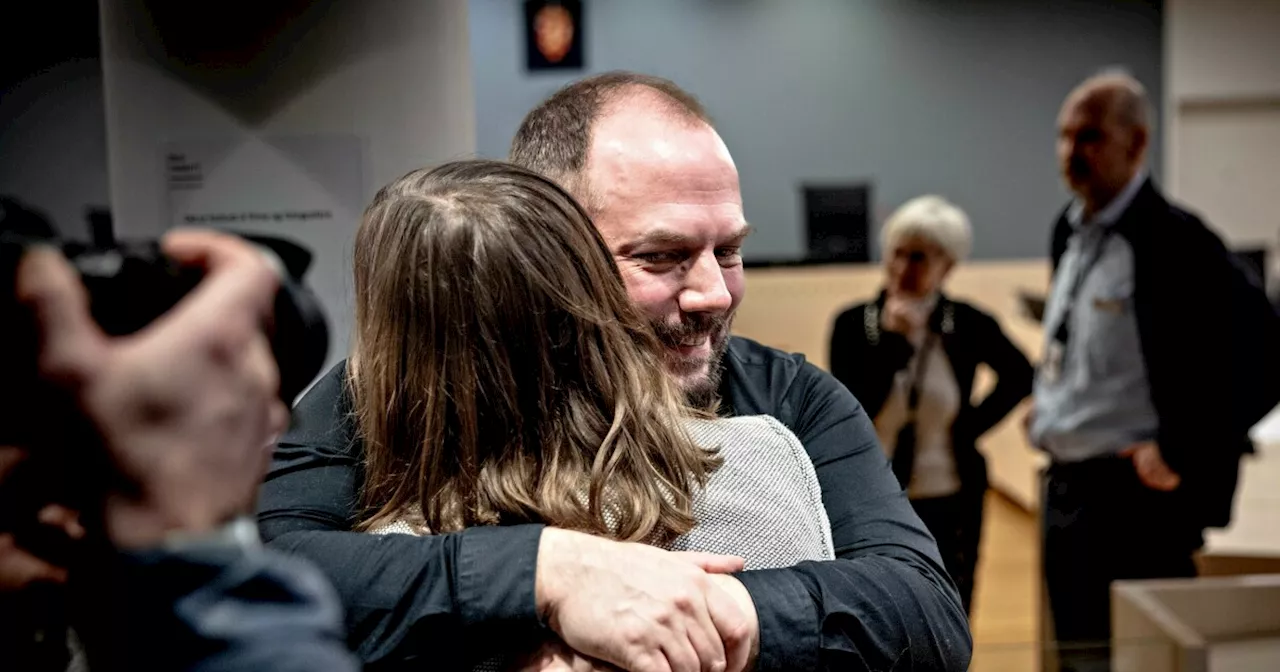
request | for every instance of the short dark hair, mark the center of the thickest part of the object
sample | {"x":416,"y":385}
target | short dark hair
{"x":555,"y":137}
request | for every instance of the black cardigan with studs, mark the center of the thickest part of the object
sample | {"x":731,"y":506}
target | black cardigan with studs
{"x":865,"y":358}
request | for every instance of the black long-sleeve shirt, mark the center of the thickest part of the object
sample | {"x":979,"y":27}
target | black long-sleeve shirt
{"x":884,"y":603}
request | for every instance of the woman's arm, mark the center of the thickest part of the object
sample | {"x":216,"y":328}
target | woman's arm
{"x":866,"y":369}
{"x":1013,"y":372}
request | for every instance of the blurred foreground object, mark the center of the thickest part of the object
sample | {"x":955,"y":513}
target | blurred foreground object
{"x":154,"y":427}
{"x":131,"y":283}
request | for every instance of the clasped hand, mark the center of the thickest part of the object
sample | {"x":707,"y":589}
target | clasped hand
{"x":639,"y":608}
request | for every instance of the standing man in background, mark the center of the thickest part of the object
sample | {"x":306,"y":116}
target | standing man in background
{"x":1155,"y":368}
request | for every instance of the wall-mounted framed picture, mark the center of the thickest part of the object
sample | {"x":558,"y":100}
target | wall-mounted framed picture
{"x":553,"y":34}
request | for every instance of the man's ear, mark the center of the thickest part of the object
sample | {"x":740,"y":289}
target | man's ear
{"x":1139,"y":137}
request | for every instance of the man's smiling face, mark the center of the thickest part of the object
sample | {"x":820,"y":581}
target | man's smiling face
{"x":666,"y":200}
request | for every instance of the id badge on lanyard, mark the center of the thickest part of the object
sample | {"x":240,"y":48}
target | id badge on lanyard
{"x":1055,"y":351}
{"x":1051,"y":363}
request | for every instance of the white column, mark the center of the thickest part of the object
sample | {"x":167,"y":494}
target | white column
{"x":1222,"y":112}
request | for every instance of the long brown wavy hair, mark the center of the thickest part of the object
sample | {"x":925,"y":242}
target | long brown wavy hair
{"x":499,"y":372}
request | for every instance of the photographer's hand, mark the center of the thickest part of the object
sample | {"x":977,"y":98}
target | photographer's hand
{"x":184,"y":407}
{"x":20,"y":566}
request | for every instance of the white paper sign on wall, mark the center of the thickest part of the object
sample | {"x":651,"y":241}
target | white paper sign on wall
{"x":308,"y":188}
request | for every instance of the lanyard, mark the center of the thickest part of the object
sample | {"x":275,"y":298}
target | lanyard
{"x":1063,"y":332}
{"x":922,"y":365}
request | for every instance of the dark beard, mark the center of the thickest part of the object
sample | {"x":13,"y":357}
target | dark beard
{"x":705,"y":394}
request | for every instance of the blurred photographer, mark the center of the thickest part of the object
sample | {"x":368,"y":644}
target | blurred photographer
{"x":161,"y":569}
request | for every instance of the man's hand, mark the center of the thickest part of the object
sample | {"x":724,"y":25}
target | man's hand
{"x":1151,"y":467}
{"x":556,"y":656}
{"x":711,"y":563}
{"x":184,"y":407}
{"x":740,"y":595}
{"x":639,"y":607}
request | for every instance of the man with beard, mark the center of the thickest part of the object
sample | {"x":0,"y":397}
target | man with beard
{"x":1158,"y":360}
{"x":642,"y":156}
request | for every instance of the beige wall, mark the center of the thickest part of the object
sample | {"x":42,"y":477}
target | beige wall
{"x":793,"y":308}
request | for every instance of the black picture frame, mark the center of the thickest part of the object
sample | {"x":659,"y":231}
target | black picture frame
{"x":837,"y":222}
{"x":553,"y":35}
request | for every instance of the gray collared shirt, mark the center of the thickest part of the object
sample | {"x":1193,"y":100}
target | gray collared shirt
{"x":1100,"y":401}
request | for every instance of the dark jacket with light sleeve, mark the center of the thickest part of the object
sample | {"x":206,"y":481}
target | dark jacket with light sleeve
{"x":865,"y":358}
{"x":1209,"y":342}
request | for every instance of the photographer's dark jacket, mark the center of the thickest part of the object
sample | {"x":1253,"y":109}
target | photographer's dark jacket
{"x":216,"y":609}
{"x":1209,"y":339}
{"x":866,"y":358}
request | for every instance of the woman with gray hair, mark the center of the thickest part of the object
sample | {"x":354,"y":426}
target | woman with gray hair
{"x":911,"y":357}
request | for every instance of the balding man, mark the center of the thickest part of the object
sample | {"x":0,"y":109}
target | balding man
{"x":643,"y":157}
{"x":1150,"y":376}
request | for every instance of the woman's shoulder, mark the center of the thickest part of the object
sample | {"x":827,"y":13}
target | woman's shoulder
{"x":739,"y":424}
{"x":851,"y":320}
{"x":853,"y":311}
{"x":967,"y":315}
{"x":755,"y":437}
{"x":764,"y":502}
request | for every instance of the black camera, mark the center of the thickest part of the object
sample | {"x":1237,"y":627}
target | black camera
{"x":129,"y":284}
{"x":132,"y":283}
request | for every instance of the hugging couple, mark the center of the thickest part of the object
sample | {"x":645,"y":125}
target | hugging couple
{"x":546,"y":452}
